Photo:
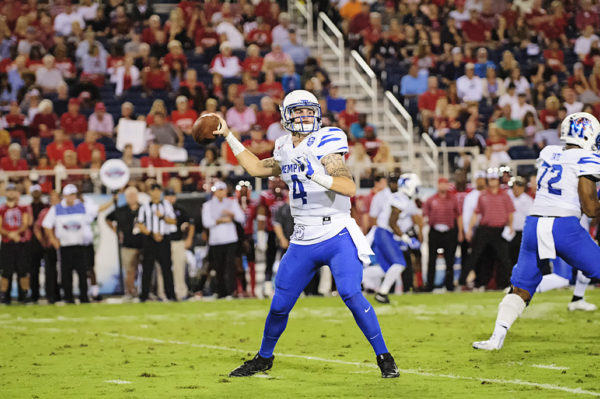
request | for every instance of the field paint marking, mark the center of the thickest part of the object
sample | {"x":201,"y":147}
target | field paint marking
{"x":117,"y":382}
{"x":320,"y":359}
{"x":406,"y":371}
{"x":549,"y":367}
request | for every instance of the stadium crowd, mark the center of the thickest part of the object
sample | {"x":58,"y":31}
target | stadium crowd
{"x":498,"y":75}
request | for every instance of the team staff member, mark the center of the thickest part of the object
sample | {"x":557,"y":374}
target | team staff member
{"x":68,"y":225}
{"x":181,"y":240}
{"x":496,"y":210}
{"x":36,"y":251}
{"x":445,"y":231}
{"x":50,"y":259}
{"x":122,"y":221}
{"x":218,"y":216}
{"x":15,"y":220}
{"x":249,"y":206}
{"x":155,"y":220}
{"x":523,"y":204}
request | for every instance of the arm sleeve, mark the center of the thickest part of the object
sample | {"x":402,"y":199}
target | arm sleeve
{"x":50,"y":219}
{"x":169,"y":211}
{"x":332,"y":140}
{"x":277,"y":149}
{"x":208,"y":218}
{"x":589,"y":166}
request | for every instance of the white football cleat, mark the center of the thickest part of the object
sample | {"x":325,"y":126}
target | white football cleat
{"x":268,"y":289}
{"x":581,"y":305}
{"x":492,"y":344}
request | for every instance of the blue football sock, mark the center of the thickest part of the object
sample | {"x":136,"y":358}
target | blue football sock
{"x":365,"y":317}
{"x":276,"y":323}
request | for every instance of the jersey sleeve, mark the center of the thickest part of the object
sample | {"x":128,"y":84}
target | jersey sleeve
{"x":589,"y":166}
{"x":332,"y":140}
{"x":278,"y":148}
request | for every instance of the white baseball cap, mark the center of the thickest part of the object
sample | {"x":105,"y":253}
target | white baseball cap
{"x":35,"y":187}
{"x":69,"y":189}
{"x":219,"y":185}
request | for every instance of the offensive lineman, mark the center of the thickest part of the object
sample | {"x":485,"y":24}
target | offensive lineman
{"x":566,"y":185}
{"x":311,"y":161}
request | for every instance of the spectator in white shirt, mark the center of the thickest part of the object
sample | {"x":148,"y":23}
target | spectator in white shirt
{"x":510,"y":97}
{"x":218,"y":216}
{"x":571,"y":103}
{"x":583,"y":44}
{"x":469,"y":86}
{"x":48,"y":77}
{"x":228,"y":32}
{"x":64,"y":21}
{"x":519,"y":109}
{"x":281,"y":32}
{"x":87,"y":10}
{"x":523,"y":204}
{"x":521,"y":83}
{"x":225,"y":63}
{"x":460,"y":14}
{"x":125,"y":75}
{"x":469,"y":205}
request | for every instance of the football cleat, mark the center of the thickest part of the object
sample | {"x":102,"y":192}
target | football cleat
{"x":387,"y":365}
{"x":251,"y":367}
{"x":382,"y":298}
{"x":581,"y":305}
{"x":492,"y":344}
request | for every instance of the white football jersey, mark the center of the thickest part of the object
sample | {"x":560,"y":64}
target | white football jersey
{"x":307,"y":198}
{"x":558,"y":178}
{"x":407,"y":207}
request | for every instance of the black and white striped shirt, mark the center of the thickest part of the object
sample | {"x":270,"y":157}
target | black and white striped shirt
{"x":147,"y":216}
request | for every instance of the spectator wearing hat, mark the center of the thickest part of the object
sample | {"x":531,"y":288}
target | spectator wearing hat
{"x":469,"y":86}
{"x":45,"y":120}
{"x":68,"y":226}
{"x":84,"y":149}
{"x":48,"y":77}
{"x":445,"y":231}
{"x":522,"y":203}
{"x":101,"y":121}
{"x":182,"y":239}
{"x":15,"y":220}
{"x":183,"y":117}
{"x":123,"y":222}
{"x":36,"y":250}
{"x":155,"y":220}
{"x":225,"y":63}
{"x":258,"y":144}
{"x":496,"y":210}
{"x":55,"y":150}
{"x":73,"y":122}
{"x":219,"y":215}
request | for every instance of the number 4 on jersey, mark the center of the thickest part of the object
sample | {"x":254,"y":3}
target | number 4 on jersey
{"x":298,"y":190}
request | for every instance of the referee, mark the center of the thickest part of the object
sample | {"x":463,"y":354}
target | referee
{"x":155,"y":220}
{"x":496,"y":210}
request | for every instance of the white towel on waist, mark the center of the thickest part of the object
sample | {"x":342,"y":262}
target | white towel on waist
{"x":546,"y":249}
{"x":361,"y":242}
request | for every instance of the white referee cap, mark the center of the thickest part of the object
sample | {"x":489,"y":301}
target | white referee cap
{"x":69,"y":189}
{"x":219,"y":185}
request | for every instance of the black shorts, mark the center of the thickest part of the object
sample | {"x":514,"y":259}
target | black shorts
{"x":12,"y":259}
{"x":90,"y":256}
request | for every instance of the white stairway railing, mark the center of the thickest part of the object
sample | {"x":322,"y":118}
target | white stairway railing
{"x":335,"y":46}
{"x":358,"y":69}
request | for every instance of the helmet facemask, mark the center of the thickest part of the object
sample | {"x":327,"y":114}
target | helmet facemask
{"x":304,"y":124}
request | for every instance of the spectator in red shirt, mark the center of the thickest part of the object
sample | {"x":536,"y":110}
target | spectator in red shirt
{"x":261,"y":35}
{"x":475,"y":30}
{"x":207,"y":41}
{"x":155,"y":77}
{"x":555,"y":57}
{"x":15,"y":121}
{"x":370,"y":141}
{"x":154,"y":159}
{"x":258,"y":144}
{"x":428,"y":101}
{"x":253,"y":62}
{"x":175,"y":53}
{"x":268,"y":113}
{"x":586,"y":16}
{"x":549,"y":115}
{"x":84,"y":150}
{"x":445,"y":231}
{"x":56,"y":149}
{"x":496,"y":210}
{"x":360,"y":21}
{"x":348,"y":116}
{"x":45,"y":121}
{"x":13,"y":161}
{"x":271,"y":87}
{"x":73,"y":123}
{"x":149,"y":33}
{"x":183,"y":117}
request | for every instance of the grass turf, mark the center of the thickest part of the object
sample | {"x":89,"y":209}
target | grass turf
{"x":187,"y":349}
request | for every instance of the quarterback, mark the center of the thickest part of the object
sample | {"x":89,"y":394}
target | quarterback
{"x":311,"y":162}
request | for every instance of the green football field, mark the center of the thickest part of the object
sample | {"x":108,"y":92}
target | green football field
{"x":186,"y":350}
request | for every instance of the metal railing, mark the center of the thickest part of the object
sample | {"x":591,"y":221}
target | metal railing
{"x":359,"y":68}
{"x":305,"y":10}
{"x":431,"y":160}
{"x":397,"y":118}
{"x":325,"y":38}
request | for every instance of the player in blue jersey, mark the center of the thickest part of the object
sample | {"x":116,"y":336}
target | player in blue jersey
{"x":311,"y":161}
{"x":566,"y":185}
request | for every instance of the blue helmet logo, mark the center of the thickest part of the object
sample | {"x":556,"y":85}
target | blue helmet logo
{"x":579,"y":127}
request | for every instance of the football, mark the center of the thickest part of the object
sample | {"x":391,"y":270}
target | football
{"x":204,"y":127}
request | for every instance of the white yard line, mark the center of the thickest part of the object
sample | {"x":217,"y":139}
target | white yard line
{"x":120,"y":382}
{"x":549,"y":367}
{"x":552,"y":387}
